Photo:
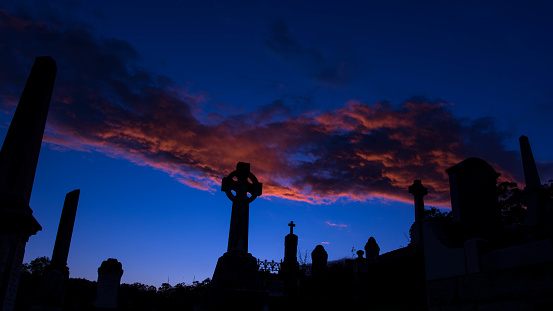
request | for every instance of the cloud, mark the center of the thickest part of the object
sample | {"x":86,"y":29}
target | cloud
{"x":105,"y":102}
{"x":336,"y":225}
{"x":319,"y":65}
{"x":325,"y":243}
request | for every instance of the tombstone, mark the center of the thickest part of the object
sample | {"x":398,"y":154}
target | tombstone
{"x":418,"y":192}
{"x":474,"y":196}
{"x":57,"y":273}
{"x":535,"y":206}
{"x":18,"y":161}
{"x":290,"y":264}
{"x":319,"y":260}
{"x":109,"y":278}
{"x":235,"y":279}
{"x":372,"y":250}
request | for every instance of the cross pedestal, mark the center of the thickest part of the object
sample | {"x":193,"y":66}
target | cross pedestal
{"x":235,"y":280}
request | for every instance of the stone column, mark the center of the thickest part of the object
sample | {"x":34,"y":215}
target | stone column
{"x":18,"y":161}
{"x":418,"y":191}
{"x":57,"y":273}
{"x":109,"y":279}
{"x":532,"y":180}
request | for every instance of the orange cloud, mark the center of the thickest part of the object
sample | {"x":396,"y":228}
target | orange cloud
{"x":357,"y":152}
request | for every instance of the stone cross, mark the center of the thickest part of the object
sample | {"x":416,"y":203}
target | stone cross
{"x":291,"y":225}
{"x":418,"y":191}
{"x":237,"y":185}
{"x":18,"y":161}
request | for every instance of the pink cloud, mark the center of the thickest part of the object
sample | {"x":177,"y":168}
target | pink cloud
{"x":357,"y":152}
{"x":336,"y":225}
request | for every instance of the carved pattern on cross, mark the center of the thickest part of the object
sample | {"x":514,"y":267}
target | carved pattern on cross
{"x":242,"y":182}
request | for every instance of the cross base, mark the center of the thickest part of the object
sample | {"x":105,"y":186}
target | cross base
{"x":236,"y":271}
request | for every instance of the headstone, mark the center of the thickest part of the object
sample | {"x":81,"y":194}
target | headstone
{"x":290,"y":264}
{"x":533,"y":184}
{"x":18,"y":161}
{"x":418,"y":191}
{"x":372,"y":250}
{"x":236,"y":281}
{"x":474,"y":194}
{"x":57,"y":273}
{"x":109,"y":279}
{"x":319,"y":260}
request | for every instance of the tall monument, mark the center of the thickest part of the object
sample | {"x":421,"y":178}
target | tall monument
{"x":237,"y":268}
{"x":56,"y":275}
{"x":18,"y":161}
{"x":236,"y":283}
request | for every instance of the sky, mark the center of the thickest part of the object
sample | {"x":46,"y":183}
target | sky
{"x":338,"y":106}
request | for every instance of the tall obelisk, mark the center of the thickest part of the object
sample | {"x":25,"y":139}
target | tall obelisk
{"x":18,"y":161}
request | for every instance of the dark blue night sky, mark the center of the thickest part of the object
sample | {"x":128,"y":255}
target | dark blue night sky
{"x":337,"y":105}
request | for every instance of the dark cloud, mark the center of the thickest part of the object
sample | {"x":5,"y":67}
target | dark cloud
{"x":323,"y":68}
{"x":103,"y":101}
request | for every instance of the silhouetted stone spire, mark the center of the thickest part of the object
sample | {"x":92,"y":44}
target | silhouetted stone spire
{"x":19,"y":155}
{"x":18,"y":161}
{"x":533,"y":184}
{"x":531,"y":176}
{"x":65,"y":229}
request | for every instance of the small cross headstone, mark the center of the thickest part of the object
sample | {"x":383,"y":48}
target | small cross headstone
{"x":292,"y":225}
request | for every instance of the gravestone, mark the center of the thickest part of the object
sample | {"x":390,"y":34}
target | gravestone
{"x":418,"y":192}
{"x":109,"y":279}
{"x":57,"y":273}
{"x":18,"y":161}
{"x":372,"y":250}
{"x":236,"y":281}
{"x":474,"y":195}
{"x":319,"y":260}
{"x":290,"y":264}
{"x":533,"y":184}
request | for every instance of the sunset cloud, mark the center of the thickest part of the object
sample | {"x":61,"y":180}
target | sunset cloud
{"x":105,"y":102}
{"x":336,"y":225}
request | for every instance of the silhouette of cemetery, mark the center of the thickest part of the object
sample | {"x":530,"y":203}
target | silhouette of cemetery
{"x":468,"y":261}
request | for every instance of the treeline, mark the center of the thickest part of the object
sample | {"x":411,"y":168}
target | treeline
{"x":80,"y":294}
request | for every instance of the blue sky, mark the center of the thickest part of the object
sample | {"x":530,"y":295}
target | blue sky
{"x":338,"y":107}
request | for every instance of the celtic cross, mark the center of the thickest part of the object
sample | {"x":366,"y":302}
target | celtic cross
{"x":237,"y":185}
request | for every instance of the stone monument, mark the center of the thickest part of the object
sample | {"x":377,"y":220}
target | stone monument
{"x":372,"y":250}
{"x":109,"y":279}
{"x":57,"y":273}
{"x":18,"y":161}
{"x":290,"y":264}
{"x":319,"y":260}
{"x":474,"y":197}
{"x":236,"y":280}
{"x":418,"y":191}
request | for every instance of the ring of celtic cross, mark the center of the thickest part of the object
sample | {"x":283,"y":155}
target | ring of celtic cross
{"x":233,"y":185}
